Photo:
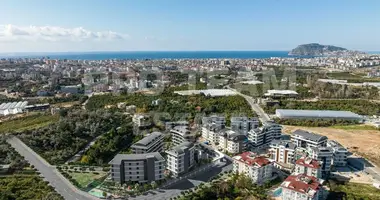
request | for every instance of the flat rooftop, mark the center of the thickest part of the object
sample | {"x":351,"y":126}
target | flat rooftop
{"x":317,"y":113}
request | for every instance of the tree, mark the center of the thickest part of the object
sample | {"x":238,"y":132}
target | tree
{"x":153,"y":184}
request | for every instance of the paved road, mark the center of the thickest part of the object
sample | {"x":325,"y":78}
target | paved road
{"x":49,"y":172}
{"x":259,"y":111}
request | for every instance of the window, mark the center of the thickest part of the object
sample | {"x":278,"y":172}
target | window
{"x":137,"y":163}
{"x":138,"y":177}
{"x":137,"y":172}
{"x":137,"y":168}
{"x":130,"y":163}
{"x":130,"y":172}
{"x":130,"y":168}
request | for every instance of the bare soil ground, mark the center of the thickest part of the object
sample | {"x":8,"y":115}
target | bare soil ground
{"x":363,"y":142}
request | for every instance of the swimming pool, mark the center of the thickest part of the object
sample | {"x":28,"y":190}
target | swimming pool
{"x":97,"y":193}
{"x":277,"y":192}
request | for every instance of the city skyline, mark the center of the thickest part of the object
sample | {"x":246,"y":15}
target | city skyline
{"x":48,"y":26}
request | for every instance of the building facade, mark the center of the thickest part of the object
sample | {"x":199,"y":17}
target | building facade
{"x":181,"y":158}
{"x":257,"y":168}
{"x":261,"y":137}
{"x":324,"y":155}
{"x":137,"y":167}
{"x":282,"y":152}
{"x":302,"y":187}
{"x":142,"y":120}
{"x":309,"y":167}
{"x":339,"y":153}
{"x":244,"y":124}
{"x":306,"y":139}
{"x":152,"y":143}
{"x":232,"y":142}
{"x":181,"y":134}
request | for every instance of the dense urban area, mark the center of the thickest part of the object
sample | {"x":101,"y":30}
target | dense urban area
{"x":190,"y":129}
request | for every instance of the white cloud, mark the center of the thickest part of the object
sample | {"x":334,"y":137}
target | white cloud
{"x":54,"y":33}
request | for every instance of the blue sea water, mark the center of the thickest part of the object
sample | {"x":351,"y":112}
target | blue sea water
{"x":154,"y":55}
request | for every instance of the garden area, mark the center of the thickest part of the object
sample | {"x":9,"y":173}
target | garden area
{"x":29,"y":122}
{"x":352,"y":191}
{"x":85,"y":178}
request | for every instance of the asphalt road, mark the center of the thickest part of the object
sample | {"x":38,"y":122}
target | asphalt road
{"x":49,"y":172}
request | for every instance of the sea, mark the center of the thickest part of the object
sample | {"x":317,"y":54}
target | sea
{"x":153,"y":55}
{"x":139,"y":55}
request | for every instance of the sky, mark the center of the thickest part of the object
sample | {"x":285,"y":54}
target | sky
{"x":186,"y":25}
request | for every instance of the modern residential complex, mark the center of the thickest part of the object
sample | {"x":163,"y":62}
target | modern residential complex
{"x":306,"y":139}
{"x":180,"y":158}
{"x":302,"y":187}
{"x":325,"y":156}
{"x":339,"y":152}
{"x":244,"y":124}
{"x":261,"y":137}
{"x":258,"y":168}
{"x":308,"y":166}
{"x":181,"y":134}
{"x":171,"y":125}
{"x":282,"y":152}
{"x":232,"y":142}
{"x":152,"y":143}
{"x":137,"y":167}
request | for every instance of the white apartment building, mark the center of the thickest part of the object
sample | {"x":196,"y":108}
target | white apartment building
{"x":137,"y":167}
{"x":211,"y":126}
{"x":339,"y":153}
{"x":181,"y":134}
{"x":261,"y":137}
{"x":282,"y":152}
{"x":258,"y":168}
{"x":244,"y":124}
{"x":308,"y":166}
{"x":302,"y":187}
{"x":152,"y":143}
{"x":142,"y":120}
{"x":324,"y":155}
{"x":180,"y":159}
{"x":306,"y":139}
{"x":232,"y":141}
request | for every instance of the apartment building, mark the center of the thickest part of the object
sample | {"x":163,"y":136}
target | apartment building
{"x":262,"y":136}
{"x":306,"y":139}
{"x":308,"y":166}
{"x":283,"y":153}
{"x":302,"y":187}
{"x":324,"y":155}
{"x":181,"y":134}
{"x":232,"y":142}
{"x":142,"y":120}
{"x":152,"y":143}
{"x":137,"y":167}
{"x":171,"y":125}
{"x":339,"y":153}
{"x":211,"y":126}
{"x":180,"y":158}
{"x":244,"y":124}
{"x":258,"y":168}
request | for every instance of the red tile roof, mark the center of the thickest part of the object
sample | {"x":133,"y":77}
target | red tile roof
{"x":308,"y":162}
{"x":302,"y":183}
{"x":251,"y":159}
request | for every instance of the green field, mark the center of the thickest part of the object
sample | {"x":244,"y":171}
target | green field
{"x":84,"y":179}
{"x":28,"y":123}
{"x":353,"y":191}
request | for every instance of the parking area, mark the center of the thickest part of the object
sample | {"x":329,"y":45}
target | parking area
{"x":352,"y":175}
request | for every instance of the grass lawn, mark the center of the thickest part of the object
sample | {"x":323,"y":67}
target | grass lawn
{"x":85,"y":178}
{"x":353,"y":191}
{"x":28,"y":122}
{"x":355,"y":127}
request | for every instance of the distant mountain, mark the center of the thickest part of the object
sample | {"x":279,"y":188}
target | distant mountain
{"x":315,"y":49}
